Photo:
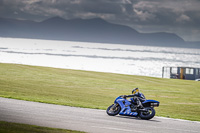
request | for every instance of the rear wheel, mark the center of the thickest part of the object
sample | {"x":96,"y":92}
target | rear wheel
{"x":113,"y":109}
{"x":148,"y":114}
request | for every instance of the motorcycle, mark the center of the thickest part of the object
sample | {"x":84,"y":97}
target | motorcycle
{"x":137,"y":106}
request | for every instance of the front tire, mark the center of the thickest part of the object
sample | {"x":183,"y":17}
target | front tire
{"x":113,"y":109}
{"x":146,"y":115}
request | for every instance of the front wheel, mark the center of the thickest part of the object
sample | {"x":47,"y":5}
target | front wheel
{"x":148,"y":114}
{"x":113,"y":109}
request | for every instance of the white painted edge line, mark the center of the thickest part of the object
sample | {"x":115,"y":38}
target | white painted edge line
{"x":176,"y":119}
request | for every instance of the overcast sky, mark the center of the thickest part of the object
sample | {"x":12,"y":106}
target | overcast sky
{"x":175,"y":16}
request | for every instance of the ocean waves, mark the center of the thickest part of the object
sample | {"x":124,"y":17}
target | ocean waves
{"x":115,"y":58}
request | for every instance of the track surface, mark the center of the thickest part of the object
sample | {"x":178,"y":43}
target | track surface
{"x":88,"y":120}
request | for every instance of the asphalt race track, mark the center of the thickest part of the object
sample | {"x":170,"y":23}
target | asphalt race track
{"x":88,"y":120}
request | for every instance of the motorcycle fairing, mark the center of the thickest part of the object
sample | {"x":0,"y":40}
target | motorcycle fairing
{"x":125,"y":107}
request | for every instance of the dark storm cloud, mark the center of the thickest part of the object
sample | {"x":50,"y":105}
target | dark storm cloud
{"x":87,"y":8}
{"x":178,"y":16}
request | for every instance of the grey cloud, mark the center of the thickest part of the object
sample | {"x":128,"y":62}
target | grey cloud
{"x":144,"y":15}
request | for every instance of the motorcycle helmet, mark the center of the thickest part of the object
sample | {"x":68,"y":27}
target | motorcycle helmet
{"x":135,"y":91}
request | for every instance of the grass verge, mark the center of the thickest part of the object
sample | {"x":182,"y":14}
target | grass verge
{"x":178,"y":98}
{"x":8,"y":127}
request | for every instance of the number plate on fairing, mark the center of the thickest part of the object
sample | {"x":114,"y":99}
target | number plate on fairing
{"x":155,"y":104}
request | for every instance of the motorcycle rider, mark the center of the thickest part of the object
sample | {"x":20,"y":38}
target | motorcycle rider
{"x":137,"y":97}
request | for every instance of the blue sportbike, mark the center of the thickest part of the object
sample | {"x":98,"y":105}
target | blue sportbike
{"x":137,"y":106}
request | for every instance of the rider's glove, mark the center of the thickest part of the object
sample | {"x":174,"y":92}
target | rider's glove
{"x":124,"y":96}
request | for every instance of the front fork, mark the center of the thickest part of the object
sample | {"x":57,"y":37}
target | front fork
{"x":114,"y":106}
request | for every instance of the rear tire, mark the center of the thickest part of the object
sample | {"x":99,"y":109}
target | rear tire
{"x":147,"y":115}
{"x":113,"y":110}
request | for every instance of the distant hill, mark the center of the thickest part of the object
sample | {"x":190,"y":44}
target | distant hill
{"x":86,"y":30}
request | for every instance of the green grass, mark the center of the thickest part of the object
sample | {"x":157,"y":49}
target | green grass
{"x":178,"y":98}
{"x":7,"y":127}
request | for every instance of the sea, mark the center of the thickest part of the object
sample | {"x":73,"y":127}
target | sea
{"x":100,"y":57}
